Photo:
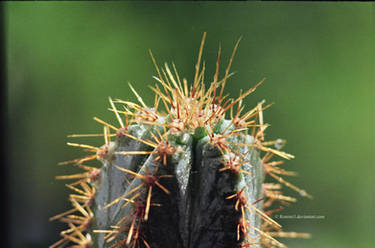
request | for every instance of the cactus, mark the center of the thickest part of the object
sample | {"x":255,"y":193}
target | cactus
{"x":188,"y":178}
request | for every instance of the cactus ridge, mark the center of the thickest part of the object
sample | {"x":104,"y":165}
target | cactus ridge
{"x":187,"y":178}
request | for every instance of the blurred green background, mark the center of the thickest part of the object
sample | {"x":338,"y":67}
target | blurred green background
{"x":65,"y":59}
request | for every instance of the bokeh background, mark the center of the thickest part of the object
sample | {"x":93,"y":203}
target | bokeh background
{"x":65,"y":59}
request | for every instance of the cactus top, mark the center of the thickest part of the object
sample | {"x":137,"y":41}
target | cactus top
{"x":186,"y":172}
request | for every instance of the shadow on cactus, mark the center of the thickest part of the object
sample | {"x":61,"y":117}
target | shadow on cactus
{"x":189,"y":177}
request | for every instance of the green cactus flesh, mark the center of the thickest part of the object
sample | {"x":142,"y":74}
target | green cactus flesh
{"x":189,"y":178}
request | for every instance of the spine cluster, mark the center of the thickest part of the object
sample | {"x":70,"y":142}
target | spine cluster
{"x":187,"y":171}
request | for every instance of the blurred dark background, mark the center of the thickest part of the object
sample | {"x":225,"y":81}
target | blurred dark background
{"x":65,"y":59}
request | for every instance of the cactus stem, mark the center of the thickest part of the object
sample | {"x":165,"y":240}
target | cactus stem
{"x":215,"y":169}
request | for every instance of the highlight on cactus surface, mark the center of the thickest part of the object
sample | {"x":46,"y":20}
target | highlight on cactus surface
{"x":186,"y":171}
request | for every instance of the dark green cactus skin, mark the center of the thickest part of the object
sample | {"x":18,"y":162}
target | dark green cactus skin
{"x":196,"y":213}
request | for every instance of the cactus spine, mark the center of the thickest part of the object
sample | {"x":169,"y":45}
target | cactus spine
{"x":189,"y":178}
